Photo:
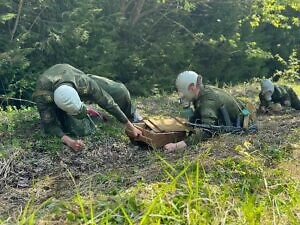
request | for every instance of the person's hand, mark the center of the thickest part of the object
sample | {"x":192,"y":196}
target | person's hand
{"x":175,"y":146}
{"x":170,"y":147}
{"x":105,"y":117}
{"x":263,"y":109}
{"x":92,"y":112}
{"x":76,"y":145}
{"x":135,"y":132}
{"x":276,"y":107}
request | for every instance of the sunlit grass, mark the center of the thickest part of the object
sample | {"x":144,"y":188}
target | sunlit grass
{"x":237,"y":189}
{"x":231,"y":192}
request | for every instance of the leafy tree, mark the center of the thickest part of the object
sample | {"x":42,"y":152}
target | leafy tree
{"x":145,"y":42}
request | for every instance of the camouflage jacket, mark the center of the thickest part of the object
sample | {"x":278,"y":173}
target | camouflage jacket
{"x":207,"y":109}
{"x":281,"y":94}
{"x":101,"y":91}
{"x":207,"y":106}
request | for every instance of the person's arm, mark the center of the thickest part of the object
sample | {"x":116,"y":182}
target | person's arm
{"x":209,"y":111}
{"x":208,"y":115}
{"x":51,"y":127}
{"x":50,"y":122}
{"x":198,"y":136}
{"x":264,"y":105}
{"x":263,"y":102}
{"x":48,"y":116}
{"x":194,"y":117}
{"x":105,"y":101}
{"x":285,"y":99}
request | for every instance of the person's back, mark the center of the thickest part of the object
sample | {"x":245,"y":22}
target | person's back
{"x":60,"y":93}
{"x":281,"y":95}
{"x":66,"y":74}
{"x":58,"y":74}
{"x":112,"y":87}
{"x":213,"y":106}
{"x":118,"y":91}
{"x":208,"y":106}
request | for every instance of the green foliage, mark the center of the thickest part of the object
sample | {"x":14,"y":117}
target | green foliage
{"x":6,"y":17}
{"x":16,"y":124}
{"x":144,"y":44}
{"x":279,"y":13}
{"x":13,"y":64}
{"x":291,"y":71}
{"x":29,"y":214}
{"x":227,"y":180}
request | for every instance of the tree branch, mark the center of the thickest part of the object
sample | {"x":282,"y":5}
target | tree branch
{"x":35,"y":20}
{"x":16,"y":99}
{"x":137,"y":12}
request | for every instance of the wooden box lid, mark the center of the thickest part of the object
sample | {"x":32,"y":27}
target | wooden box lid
{"x":158,"y":132}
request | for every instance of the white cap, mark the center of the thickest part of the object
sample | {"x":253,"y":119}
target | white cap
{"x":67,"y":99}
{"x":183,"y":82}
{"x":267,"y":85}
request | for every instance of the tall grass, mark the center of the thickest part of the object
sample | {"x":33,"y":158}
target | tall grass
{"x":207,"y":190}
{"x":230,"y":191}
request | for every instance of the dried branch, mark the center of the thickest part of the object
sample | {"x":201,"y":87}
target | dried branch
{"x":17,"y":99}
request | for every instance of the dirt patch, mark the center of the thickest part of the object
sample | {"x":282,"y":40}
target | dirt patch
{"x":31,"y":172}
{"x":107,"y":164}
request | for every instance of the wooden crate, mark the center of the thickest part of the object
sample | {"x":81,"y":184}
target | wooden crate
{"x":153,"y":134}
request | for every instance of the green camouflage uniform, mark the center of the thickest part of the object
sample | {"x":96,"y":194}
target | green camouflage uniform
{"x":109,"y":95}
{"x":207,"y":110}
{"x":281,"y":94}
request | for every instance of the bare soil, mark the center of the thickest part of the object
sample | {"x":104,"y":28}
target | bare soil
{"x":30,"y":171}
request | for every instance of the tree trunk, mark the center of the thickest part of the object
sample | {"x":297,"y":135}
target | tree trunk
{"x":17,"y":20}
{"x":123,"y":7}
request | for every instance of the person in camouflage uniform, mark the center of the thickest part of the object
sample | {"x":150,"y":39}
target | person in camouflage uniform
{"x":59,"y":93}
{"x":207,"y":101}
{"x":272,"y":97}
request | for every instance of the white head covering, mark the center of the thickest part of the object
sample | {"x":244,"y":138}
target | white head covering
{"x":267,"y":88}
{"x":267,"y":85}
{"x":67,"y":99}
{"x":183,"y":82}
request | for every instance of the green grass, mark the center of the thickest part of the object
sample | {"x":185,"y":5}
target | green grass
{"x":231,"y":192}
{"x":227,"y":180}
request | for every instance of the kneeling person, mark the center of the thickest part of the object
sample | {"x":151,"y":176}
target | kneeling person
{"x":208,"y":103}
{"x":59,"y":93}
{"x":273,"y":97}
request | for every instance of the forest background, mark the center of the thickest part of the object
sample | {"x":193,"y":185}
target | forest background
{"x":148,"y":42}
{"x":230,"y":179}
